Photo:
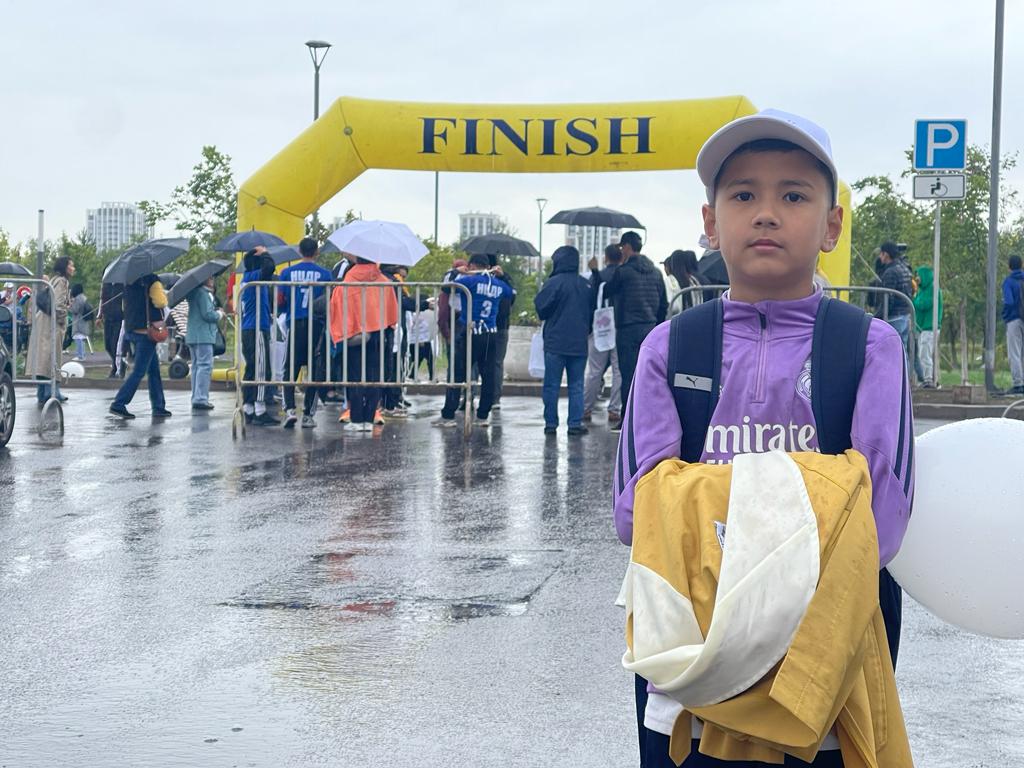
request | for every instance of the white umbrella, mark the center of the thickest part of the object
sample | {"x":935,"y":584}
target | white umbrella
{"x":383,"y":242}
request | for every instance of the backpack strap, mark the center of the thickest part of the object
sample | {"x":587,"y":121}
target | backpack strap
{"x":837,"y":362}
{"x":694,"y":372}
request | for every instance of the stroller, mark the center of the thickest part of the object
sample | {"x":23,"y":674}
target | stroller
{"x":12,"y":321}
{"x":177,"y":325}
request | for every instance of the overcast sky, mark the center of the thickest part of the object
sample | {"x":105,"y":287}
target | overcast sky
{"x":112,"y":101}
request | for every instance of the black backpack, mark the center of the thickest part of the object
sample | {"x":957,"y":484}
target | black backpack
{"x":837,"y":362}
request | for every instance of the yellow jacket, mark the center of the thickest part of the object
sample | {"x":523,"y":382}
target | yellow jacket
{"x":752,"y":600}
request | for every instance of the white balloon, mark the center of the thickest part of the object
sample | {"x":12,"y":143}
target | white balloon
{"x":963,"y":555}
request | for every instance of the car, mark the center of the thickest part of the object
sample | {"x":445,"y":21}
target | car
{"x":8,"y":408}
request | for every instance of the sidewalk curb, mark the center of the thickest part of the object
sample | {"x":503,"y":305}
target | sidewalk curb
{"x":922,"y":410}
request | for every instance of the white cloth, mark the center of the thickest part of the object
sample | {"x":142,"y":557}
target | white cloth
{"x":421,"y":325}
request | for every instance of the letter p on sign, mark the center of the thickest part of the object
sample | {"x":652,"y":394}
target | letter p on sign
{"x":940,"y":145}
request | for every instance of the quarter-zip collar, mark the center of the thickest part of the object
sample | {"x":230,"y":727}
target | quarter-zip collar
{"x":777,"y":319}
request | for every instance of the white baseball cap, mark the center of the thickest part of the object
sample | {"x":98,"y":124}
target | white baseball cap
{"x":766,"y":124}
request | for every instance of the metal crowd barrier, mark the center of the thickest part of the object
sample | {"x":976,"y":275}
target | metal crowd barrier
{"x":863,"y":292}
{"x":52,"y":411}
{"x":396,"y":354}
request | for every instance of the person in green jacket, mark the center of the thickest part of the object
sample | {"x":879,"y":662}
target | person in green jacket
{"x":203,"y":319}
{"x":923,"y":309}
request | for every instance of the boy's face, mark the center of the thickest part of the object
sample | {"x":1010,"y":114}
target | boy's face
{"x":773,"y":213}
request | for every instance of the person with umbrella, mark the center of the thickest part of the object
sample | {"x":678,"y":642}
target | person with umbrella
{"x":144,"y":303}
{"x":359,"y":316}
{"x":203,"y":326}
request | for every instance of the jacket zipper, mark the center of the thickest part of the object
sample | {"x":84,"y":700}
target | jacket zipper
{"x":762,"y":359}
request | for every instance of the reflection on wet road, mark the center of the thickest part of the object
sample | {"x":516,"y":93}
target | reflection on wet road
{"x":169,"y":597}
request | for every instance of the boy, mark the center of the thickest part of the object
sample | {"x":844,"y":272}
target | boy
{"x":772,"y":206}
{"x":296,"y":303}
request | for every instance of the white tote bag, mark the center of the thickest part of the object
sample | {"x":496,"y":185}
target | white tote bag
{"x":604,"y":324}
{"x":537,"y":355}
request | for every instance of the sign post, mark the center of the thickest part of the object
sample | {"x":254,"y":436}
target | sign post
{"x":939,"y":145}
{"x":935,"y":295}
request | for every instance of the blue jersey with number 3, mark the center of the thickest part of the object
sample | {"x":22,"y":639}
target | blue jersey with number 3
{"x":487,"y":292}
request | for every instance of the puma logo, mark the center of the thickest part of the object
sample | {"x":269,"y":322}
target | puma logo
{"x":689,"y":381}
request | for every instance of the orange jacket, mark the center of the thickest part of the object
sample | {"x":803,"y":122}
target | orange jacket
{"x":358,"y":309}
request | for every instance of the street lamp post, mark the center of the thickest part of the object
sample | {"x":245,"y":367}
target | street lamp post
{"x":993,"y":206}
{"x":318,"y":50}
{"x":541,"y":202}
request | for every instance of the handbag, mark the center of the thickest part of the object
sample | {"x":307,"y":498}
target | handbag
{"x":536,"y":366}
{"x":604,"y":324}
{"x":220,"y":346}
{"x":157,"y":331}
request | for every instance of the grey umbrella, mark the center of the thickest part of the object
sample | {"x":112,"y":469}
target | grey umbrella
{"x":596,"y":217}
{"x":168,"y":279}
{"x":10,"y":268}
{"x":144,"y":259}
{"x":195,"y":277}
{"x":281,"y":254}
{"x":246,"y":241}
{"x":499,"y":244}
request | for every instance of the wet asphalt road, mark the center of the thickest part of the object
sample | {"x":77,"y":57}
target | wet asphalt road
{"x":169,"y":597}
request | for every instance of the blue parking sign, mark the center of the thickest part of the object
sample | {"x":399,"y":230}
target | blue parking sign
{"x":940,"y":145}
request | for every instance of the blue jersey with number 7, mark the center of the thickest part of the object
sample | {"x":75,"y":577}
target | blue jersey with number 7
{"x":487,"y":292}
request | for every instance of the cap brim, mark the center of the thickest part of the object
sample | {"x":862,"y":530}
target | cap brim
{"x":731,"y":137}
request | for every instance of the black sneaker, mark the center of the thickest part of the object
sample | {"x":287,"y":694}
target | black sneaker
{"x":202,"y":406}
{"x":578,"y":430}
{"x":265,"y":420}
{"x":550,"y":430}
{"x":120,"y":410}
{"x":161,"y":413}
{"x":616,"y":427}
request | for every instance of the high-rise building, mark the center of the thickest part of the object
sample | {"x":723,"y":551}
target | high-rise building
{"x":114,"y":225}
{"x":590,"y":241}
{"x":473,"y":224}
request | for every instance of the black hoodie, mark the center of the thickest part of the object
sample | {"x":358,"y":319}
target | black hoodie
{"x":565,"y":304}
{"x":637,"y":292}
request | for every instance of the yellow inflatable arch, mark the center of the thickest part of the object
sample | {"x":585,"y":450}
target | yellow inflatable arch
{"x":354,"y":135}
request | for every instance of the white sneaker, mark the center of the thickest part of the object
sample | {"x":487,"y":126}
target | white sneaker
{"x":481,"y":423}
{"x":398,"y":413}
{"x":353,"y":427}
{"x":443,"y":423}
{"x":366,"y":426}
{"x":290,"y":418}
{"x":308,"y":422}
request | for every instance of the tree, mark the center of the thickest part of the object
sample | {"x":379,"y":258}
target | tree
{"x":886,"y":215}
{"x":205,"y":207}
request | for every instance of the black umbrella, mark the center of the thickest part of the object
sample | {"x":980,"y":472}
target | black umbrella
{"x":10,"y":268}
{"x":596,"y":217}
{"x":712,"y":266}
{"x":168,"y":279}
{"x":281,"y":254}
{"x":496,"y":244}
{"x":144,"y":259}
{"x":246,"y":241}
{"x":195,"y":277}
